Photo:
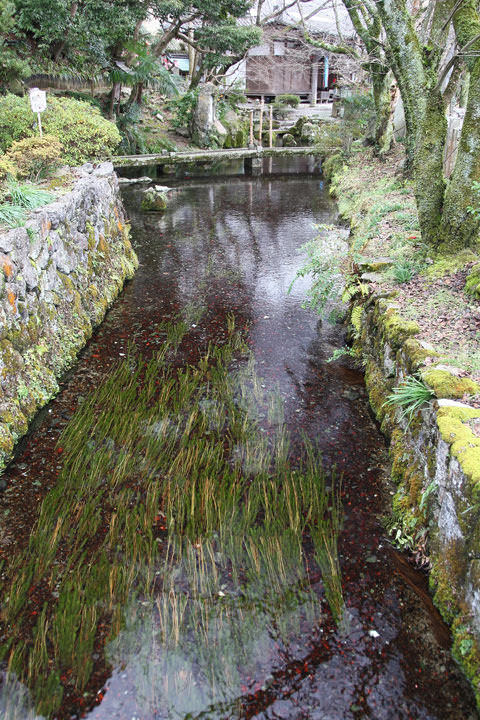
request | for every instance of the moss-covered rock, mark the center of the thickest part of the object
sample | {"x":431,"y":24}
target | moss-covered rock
{"x":457,"y":427}
{"x":417,"y":353}
{"x":466,"y":650}
{"x":333,"y":165}
{"x":472,"y":284}
{"x":436,"y":456}
{"x":288,"y":140}
{"x":154,"y":199}
{"x":397,"y":329}
{"x":445,"y":384}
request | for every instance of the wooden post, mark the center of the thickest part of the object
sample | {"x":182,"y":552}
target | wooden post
{"x":250,"y":139}
{"x":314,"y":84}
{"x":260,"y":129}
{"x":270,"y":127}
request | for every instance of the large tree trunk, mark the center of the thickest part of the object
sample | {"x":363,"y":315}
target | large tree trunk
{"x":384,"y":106}
{"x":416,"y":70}
{"x":405,"y":56}
{"x":428,"y":167}
{"x":368,"y":27}
{"x":114,"y":96}
{"x":459,"y":227}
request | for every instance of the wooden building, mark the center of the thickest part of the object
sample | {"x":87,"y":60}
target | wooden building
{"x":285,"y":63}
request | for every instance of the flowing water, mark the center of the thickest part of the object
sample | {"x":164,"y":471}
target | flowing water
{"x":239,"y":580}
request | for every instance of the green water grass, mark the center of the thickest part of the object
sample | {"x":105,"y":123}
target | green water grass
{"x":170,"y":495}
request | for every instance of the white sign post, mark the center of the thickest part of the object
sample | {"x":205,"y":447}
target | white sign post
{"x":38,"y":103}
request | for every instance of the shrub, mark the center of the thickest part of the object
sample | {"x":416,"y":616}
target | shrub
{"x":16,"y":120}
{"x":81,"y":129}
{"x":83,"y":132}
{"x":229,"y":99}
{"x":20,"y":199}
{"x":35,"y":156}
{"x":6,"y":168}
{"x":403,"y":271}
{"x":359,"y":109}
{"x":11,"y":216}
{"x":184,"y":108}
{"x":28,"y":196}
{"x":288,"y":99}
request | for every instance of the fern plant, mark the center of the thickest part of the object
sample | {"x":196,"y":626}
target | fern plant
{"x":325,"y":257}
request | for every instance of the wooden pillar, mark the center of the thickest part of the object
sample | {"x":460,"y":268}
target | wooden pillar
{"x":260,"y":129}
{"x":270,"y":127}
{"x":314,"y":84}
{"x":250,"y":139}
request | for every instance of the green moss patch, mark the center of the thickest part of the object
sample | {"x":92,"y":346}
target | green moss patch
{"x":472,"y":285}
{"x":447,"y":385}
{"x":397,"y":329}
{"x":455,"y":429}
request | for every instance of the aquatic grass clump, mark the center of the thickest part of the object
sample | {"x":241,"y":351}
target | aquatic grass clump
{"x":171,"y":495}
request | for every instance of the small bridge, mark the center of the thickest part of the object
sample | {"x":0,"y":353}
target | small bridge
{"x":253,"y":157}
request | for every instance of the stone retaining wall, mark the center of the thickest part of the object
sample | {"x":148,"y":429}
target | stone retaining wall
{"x":58,"y":275}
{"x":435,"y":465}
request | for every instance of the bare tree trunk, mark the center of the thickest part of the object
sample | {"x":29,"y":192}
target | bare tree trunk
{"x":192,"y":57}
{"x":197,"y":73}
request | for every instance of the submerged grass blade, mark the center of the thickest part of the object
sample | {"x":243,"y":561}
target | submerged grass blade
{"x":171,"y":492}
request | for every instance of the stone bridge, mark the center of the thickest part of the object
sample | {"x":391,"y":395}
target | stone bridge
{"x":253,"y":157}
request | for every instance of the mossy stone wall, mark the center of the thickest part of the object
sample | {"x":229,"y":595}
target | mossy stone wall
{"x":435,"y":466}
{"x":58,"y":276}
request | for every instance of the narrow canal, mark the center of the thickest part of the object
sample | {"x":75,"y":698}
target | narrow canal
{"x":189,"y":556}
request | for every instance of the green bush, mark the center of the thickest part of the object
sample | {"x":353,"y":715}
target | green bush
{"x":81,"y":129}
{"x":359,"y":109}
{"x":183,"y":109}
{"x":34,"y":157}
{"x":16,"y":120}
{"x":288,"y":99}
{"x":83,"y":132}
{"x":229,"y":99}
{"x":7,"y":168}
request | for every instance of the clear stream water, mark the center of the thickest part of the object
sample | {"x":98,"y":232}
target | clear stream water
{"x":232,"y":245}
